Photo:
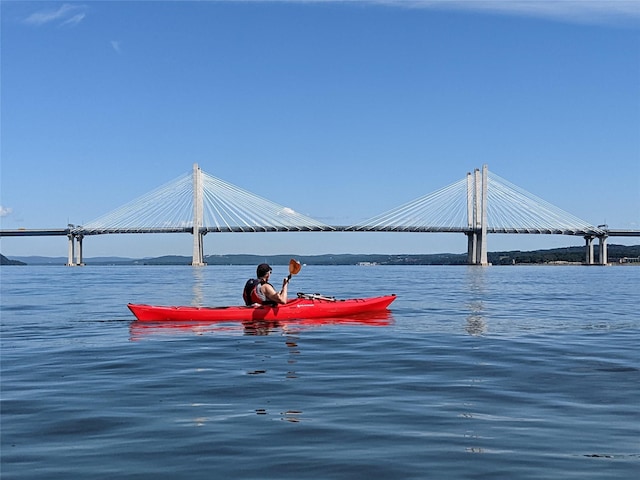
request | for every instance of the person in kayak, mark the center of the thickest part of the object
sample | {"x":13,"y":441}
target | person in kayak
{"x":260,"y":291}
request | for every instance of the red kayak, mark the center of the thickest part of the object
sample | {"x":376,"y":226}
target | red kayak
{"x":305,"y":307}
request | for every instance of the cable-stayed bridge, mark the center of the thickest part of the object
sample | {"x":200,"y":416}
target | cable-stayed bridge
{"x":198,"y":203}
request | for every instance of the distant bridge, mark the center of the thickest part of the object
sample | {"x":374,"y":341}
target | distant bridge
{"x":197,"y":203}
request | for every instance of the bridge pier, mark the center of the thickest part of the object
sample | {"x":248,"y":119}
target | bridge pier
{"x":471,"y":248}
{"x":589,"y":248}
{"x":198,"y":250}
{"x":79,"y":257}
{"x":73,"y":252}
{"x":602,"y":251}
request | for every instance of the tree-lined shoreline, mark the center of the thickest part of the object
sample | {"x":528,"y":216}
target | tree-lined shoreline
{"x":617,"y":254}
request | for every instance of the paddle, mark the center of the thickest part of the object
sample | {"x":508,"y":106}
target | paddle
{"x":294,"y":268}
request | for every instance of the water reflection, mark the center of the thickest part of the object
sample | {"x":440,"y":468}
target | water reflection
{"x":476,"y":281}
{"x":476,"y":323}
{"x":291,"y":341}
{"x":260,"y":327}
{"x":198,"y":283}
{"x":293,"y":416}
{"x":138,"y":330}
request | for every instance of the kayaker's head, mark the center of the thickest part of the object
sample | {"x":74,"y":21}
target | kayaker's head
{"x":263,"y":270}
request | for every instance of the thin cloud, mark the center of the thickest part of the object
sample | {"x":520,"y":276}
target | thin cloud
{"x":67,"y":14}
{"x":590,"y":11}
{"x":575,"y":11}
{"x":76,"y":19}
{"x":5,"y":211}
{"x":116,"y":45}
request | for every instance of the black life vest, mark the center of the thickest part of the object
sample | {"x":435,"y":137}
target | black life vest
{"x":250,"y":294}
{"x":249,"y":287}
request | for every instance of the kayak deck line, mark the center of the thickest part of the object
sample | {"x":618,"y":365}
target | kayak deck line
{"x":298,"y":308}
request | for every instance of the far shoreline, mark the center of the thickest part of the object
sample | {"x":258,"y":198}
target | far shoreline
{"x":618,"y":255}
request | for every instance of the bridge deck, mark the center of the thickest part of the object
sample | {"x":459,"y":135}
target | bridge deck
{"x":23,"y":232}
{"x":40,"y":232}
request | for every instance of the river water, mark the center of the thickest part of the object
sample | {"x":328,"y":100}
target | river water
{"x":519,"y":372}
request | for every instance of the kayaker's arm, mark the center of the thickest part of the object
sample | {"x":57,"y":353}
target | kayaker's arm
{"x":278,"y":297}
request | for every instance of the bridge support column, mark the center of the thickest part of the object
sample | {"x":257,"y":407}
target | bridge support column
{"x":471,"y":235}
{"x":79,"y":260}
{"x":477,"y":216}
{"x":471,"y":248}
{"x":482,"y":241}
{"x":602,"y":251}
{"x":198,"y":213}
{"x":71,"y":251}
{"x":589,"y":247}
{"x":198,"y":250}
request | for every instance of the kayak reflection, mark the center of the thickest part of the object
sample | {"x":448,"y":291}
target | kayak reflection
{"x":139,"y":329}
{"x":262,"y":327}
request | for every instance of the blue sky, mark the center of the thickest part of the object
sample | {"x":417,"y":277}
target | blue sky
{"x":339,"y":109}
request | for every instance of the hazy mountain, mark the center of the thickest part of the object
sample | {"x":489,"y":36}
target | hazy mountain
{"x":5,"y":261}
{"x":554,"y":255}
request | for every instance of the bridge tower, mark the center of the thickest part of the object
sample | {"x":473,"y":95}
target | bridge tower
{"x":74,"y":257}
{"x":477,"y":217}
{"x":198,"y":214}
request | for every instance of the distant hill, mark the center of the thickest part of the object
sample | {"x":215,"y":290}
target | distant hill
{"x":5,"y":261}
{"x":39,"y":260}
{"x":615,"y":253}
{"x":555,"y":255}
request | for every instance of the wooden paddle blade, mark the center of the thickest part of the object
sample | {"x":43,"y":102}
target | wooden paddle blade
{"x":294,"y":267}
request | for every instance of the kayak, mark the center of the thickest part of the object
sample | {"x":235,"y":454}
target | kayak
{"x":303,"y":307}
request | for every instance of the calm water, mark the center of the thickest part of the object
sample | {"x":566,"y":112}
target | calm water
{"x":499,"y":372}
